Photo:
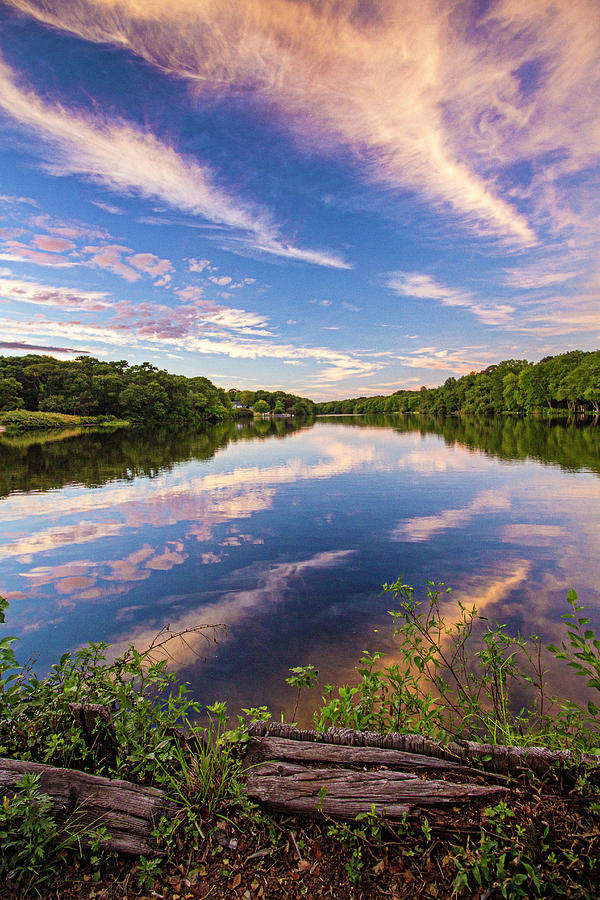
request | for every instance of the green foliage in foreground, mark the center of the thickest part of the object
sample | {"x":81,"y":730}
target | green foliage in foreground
{"x":34,"y":846}
{"x":456,"y":676}
{"x":157,"y":744}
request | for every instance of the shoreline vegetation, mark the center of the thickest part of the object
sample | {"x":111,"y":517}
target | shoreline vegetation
{"x":115,"y":394}
{"x":457,"y":678}
{"x":566,"y":384}
{"x":35,"y":391}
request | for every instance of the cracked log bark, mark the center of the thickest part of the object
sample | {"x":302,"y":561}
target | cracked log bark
{"x":488,"y":757}
{"x":344,"y":793}
{"x":269,"y":748}
{"x":129,"y":811}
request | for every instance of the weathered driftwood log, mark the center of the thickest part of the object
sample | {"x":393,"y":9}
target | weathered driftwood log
{"x":269,"y":748}
{"x":489,"y":757}
{"x":344,"y":793}
{"x":95,"y":721}
{"x":129,"y":812}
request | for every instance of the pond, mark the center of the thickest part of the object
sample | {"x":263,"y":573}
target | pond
{"x":284,"y":533}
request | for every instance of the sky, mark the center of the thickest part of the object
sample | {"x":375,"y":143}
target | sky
{"x":332,"y":197}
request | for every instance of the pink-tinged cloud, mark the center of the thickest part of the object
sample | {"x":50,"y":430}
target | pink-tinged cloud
{"x":427,"y":96}
{"x":52,"y":244}
{"x":150,"y":264}
{"x":190,"y":293}
{"x":454,"y":362}
{"x":109,"y":257}
{"x":180,"y":330}
{"x":23,"y":291}
{"x":198,"y":265}
{"x":69,"y":230}
{"x":16,"y":251}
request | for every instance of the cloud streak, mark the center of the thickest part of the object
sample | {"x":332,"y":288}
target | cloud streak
{"x":128,"y":160}
{"x":403,"y":86}
{"x":22,"y":291}
{"x":423,"y":287}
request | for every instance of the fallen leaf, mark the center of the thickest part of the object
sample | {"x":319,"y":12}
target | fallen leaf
{"x":237,"y":880}
{"x":195,"y":874}
{"x":379,"y":867}
{"x":303,"y":865}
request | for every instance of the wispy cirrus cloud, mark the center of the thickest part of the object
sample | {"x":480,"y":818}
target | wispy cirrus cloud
{"x":424,"y":287}
{"x":192,"y":332}
{"x":407,"y":87}
{"x":39,"y":348}
{"x":537,"y":276}
{"x":455,"y":361}
{"x":126,"y":159}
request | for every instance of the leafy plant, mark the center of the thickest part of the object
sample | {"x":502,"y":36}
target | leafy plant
{"x":457,"y":676}
{"x":507,"y":858}
{"x":147,"y":870}
{"x":358,"y":838}
{"x":33,"y":844}
{"x":302,"y":676}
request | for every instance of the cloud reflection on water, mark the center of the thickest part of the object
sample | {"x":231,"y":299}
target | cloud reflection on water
{"x":303,"y":530}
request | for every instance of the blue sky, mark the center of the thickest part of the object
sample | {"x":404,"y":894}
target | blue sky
{"x":331,"y":198}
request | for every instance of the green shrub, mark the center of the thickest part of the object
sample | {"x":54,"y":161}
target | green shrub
{"x":33,"y":845}
{"x":451,"y":681}
{"x":25,"y":420}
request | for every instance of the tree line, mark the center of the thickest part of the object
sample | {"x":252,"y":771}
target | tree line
{"x":569,"y":381}
{"x":142,"y":394}
{"x":86,"y":386}
{"x":275,"y":402}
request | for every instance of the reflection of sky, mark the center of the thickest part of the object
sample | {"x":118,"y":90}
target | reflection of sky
{"x":286,"y":542}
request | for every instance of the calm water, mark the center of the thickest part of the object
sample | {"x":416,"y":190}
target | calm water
{"x":285,"y":535}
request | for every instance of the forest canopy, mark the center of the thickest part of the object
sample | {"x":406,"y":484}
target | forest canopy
{"x":570,"y":381}
{"x":87,"y":386}
{"x":142,"y":394}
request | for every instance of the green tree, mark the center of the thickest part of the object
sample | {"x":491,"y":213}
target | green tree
{"x":144,"y":403}
{"x":261,"y":407}
{"x":10,"y":394}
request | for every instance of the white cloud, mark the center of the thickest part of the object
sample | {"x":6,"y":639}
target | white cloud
{"x":22,"y":291}
{"x":424,"y":287}
{"x":425,"y":99}
{"x":198,"y":265}
{"x":126,"y":159}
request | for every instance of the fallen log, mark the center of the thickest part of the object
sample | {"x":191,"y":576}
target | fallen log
{"x":344,"y":793}
{"x":129,"y":811}
{"x":503,"y":760}
{"x":269,"y":748}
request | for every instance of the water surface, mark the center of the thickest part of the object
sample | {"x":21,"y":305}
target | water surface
{"x":286,"y":533}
